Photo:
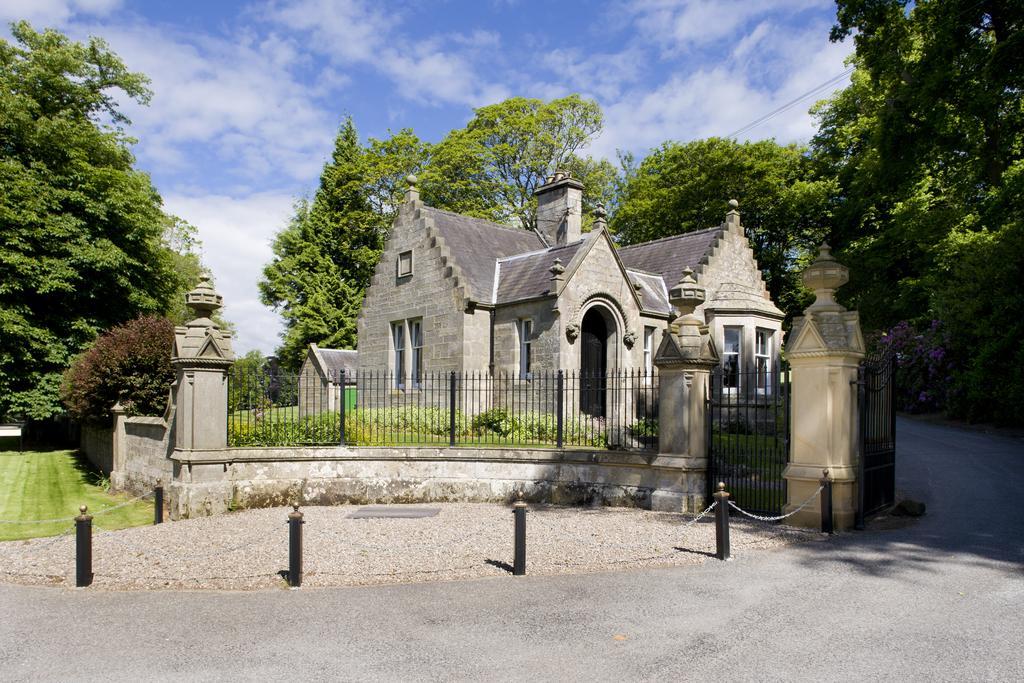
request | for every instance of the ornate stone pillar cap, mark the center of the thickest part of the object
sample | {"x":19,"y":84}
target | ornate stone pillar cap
{"x":687,"y":295}
{"x":412,"y":193}
{"x":825,"y":276}
{"x":204,"y":300}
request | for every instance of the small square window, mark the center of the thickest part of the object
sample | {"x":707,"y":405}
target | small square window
{"x":405,"y":264}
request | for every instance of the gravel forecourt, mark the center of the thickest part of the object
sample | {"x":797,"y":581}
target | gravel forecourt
{"x":248,"y":550}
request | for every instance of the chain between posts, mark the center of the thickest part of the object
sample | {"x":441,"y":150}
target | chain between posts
{"x":775,"y":519}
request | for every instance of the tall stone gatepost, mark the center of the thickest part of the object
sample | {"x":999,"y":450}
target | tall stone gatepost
{"x":824,"y":349}
{"x":684,"y":361}
{"x":201,"y":358}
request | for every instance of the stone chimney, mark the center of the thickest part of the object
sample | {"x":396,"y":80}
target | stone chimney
{"x":560,"y":209}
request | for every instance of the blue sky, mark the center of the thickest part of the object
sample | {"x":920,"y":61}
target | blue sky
{"x":248,"y":95}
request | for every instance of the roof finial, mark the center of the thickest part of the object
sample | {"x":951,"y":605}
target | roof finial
{"x":412,"y":193}
{"x":600,"y":215}
{"x":732,"y":217}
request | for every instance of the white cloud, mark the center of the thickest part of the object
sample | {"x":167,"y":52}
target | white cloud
{"x":237,"y":97}
{"x":682,"y":24}
{"x":236,"y":232}
{"x":47,"y":13}
{"x":766,"y":70}
{"x":437,"y":69}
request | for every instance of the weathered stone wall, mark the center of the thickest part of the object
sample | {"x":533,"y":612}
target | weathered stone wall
{"x":97,"y":443}
{"x":147,"y":455}
{"x":433,"y":293}
{"x":211,"y":482}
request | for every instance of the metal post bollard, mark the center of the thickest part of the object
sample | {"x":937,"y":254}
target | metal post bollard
{"x":158,"y":502}
{"x":827,"y":526}
{"x":83,"y":548}
{"x":519,"y":513}
{"x":295,"y":547}
{"x":721,"y":497}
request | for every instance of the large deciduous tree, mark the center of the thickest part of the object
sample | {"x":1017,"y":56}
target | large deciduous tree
{"x":491,"y":168}
{"x":927,"y":146}
{"x":82,"y":234}
{"x":682,"y":187}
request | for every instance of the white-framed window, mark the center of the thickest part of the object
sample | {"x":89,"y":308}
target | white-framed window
{"x":398,"y":344}
{"x":416,"y":342}
{"x":649,"y":349}
{"x":525,"y":344}
{"x":763,"y":359}
{"x":403,"y":268}
{"x":732,"y":357}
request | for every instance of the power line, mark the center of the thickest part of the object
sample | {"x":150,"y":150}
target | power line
{"x":792,"y":103}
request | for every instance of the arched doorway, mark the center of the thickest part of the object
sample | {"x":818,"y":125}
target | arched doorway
{"x":595,"y":336}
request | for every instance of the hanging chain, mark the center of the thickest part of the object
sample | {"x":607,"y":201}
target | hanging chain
{"x":775,"y":519}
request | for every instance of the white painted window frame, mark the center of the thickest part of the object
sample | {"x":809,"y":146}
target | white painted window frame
{"x":525,"y":329}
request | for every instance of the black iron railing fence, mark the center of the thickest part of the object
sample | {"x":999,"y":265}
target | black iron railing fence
{"x":563,"y":409}
{"x":748,"y":435}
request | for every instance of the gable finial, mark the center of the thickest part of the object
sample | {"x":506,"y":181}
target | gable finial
{"x":412,"y":193}
{"x":732,"y":216}
{"x":600,"y":215}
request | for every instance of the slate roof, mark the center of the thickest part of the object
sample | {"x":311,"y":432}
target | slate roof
{"x":525,"y":276}
{"x":475,"y":244}
{"x":669,"y":256}
{"x":653,"y":292}
{"x":503,"y":265}
{"x":336,"y":360}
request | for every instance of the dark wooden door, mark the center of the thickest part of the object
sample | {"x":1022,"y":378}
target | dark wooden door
{"x":593,"y":365}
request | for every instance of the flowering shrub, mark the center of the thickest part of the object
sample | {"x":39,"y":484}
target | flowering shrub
{"x":130,"y":363}
{"x":924,"y":367}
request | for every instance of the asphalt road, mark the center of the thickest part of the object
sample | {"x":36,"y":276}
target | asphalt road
{"x":941,"y":599}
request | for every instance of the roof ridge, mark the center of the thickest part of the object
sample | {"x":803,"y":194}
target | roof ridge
{"x":641,"y":271}
{"x":546,"y":250}
{"x":670,"y":237}
{"x":509,"y":228}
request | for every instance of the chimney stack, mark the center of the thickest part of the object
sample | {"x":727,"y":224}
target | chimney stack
{"x":560,"y":209}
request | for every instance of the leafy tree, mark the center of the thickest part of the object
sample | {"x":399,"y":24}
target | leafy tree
{"x":324,"y":259}
{"x":130,"y":364}
{"x":82,"y":231}
{"x":492,"y":167}
{"x":682,"y":187}
{"x":926,"y":146}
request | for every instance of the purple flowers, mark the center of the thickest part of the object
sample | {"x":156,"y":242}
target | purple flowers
{"x":923,"y":365}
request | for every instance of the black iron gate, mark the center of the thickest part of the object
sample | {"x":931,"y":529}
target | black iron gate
{"x":876,"y":488}
{"x":748,"y":436}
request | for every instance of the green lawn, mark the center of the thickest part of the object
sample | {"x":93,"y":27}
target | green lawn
{"x":51,"y":485}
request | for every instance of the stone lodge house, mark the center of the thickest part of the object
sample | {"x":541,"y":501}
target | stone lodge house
{"x":455,"y":293}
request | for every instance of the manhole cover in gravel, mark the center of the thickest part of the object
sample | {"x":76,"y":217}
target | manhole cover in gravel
{"x":393,"y":512}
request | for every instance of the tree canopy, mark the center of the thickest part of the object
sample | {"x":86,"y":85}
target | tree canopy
{"x":926,"y":146}
{"x":682,"y":187}
{"x":85,"y":244}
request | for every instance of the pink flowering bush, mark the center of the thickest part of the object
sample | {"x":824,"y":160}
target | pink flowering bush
{"x":924,"y":365}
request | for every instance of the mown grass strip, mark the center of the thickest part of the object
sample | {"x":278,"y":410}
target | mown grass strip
{"x":51,"y":485}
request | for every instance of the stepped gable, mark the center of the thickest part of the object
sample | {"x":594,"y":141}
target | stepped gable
{"x":475,"y":243}
{"x":525,"y":276}
{"x":671,"y":255}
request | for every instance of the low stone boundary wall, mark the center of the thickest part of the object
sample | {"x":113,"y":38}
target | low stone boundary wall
{"x":147,"y":450}
{"x":97,"y":443}
{"x":208,"y":482}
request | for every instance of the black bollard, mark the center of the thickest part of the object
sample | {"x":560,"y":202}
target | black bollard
{"x":721,"y":497}
{"x":158,"y":502}
{"x":519,"y":513}
{"x":295,"y":547}
{"x":826,"y":504}
{"x":83,"y":548}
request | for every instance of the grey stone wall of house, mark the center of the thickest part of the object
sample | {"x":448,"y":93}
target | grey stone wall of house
{"x":433,"y":294}
{"x":97,"y":444}
{"x":212,"y":482}
{"x":737,"y":295}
